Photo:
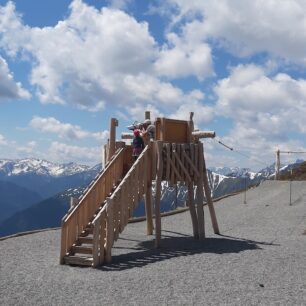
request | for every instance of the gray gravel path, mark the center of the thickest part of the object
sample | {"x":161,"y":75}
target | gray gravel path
{"x":260,"y":259}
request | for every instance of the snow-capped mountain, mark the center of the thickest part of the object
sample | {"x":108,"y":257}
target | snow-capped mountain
{"x":45,"y":177}
{"x":11,"y":167}
{"x":233,"y":171}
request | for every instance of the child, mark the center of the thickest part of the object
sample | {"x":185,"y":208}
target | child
{"x":138,"y":144}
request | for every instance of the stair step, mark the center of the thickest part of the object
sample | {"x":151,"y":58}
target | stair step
{"x":87,"y":231}
{"x":81,"y":249}
{"x":77,"y":260}
{"x":85,"y":240}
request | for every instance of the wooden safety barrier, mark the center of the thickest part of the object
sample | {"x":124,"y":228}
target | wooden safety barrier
{"x":114,"y":216}
{"x":78,"y":218}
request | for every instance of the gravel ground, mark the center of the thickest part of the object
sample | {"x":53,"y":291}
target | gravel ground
{"x":258,"y":260}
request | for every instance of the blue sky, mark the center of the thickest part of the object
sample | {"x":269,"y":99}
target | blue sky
{"x":66,"y":67}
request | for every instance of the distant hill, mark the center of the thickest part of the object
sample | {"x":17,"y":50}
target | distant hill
{"x":15,"y":198}
{"x":45,"y":214}
{"x":297,"y":174}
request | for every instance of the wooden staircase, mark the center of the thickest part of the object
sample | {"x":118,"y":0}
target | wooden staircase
{"x":91,"y":227}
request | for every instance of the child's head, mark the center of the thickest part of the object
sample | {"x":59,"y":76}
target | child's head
{"x":136,"y":133}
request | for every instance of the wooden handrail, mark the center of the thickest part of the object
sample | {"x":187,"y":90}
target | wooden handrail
{"x":118,"y":208}
{"x":103,"y":173}
{"x":77,"y":219}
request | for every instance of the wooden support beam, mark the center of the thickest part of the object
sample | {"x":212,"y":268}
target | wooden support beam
{"x":96,"y":243}
{"x":203,"y":134}
{"x":190,"y":163}
{"x":112,"y":137}
{"x":200,"y":197}
{"x":168,"y":162}
{"x":102,"y":238}
{"x":159,"y":172}
{"x":192,"y":210}
{"x":110,"y":230}
{"x":182,"y":167}
{"x":174,"y":171}
{"x":148,"y":192}
{"x":147,"y":115}
{"x":208,"y":192}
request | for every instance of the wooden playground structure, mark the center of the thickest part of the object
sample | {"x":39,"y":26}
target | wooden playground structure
{"x":95,"y":220}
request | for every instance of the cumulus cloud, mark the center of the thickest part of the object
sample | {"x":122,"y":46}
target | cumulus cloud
{"x":81,"y":57}
{"x":28,"y":148}
{"x":3,"y":141}
{"x":65,"y":130}
{"x":9,"y":89}
{"x":267,"y":111}
{"x":87,"y":63}
{"x":247,"y":27}
{"x":59,"y":151}
{"x":182,"y":57}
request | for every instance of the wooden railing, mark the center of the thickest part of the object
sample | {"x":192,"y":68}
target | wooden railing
{"x":78,"y":218}
{"x":114,"y":216}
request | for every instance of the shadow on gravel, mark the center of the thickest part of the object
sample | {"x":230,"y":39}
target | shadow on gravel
{"x":175,"y":247}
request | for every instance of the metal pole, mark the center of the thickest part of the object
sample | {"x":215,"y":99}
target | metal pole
{"x":290,"y":184}
{"x":245,"y":190}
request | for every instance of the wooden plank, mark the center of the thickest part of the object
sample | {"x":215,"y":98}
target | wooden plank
{"x":174,"y":169}
{"x":109,"y":230}
{"x":184,"y":170}
{"x":148,"y":209}
{"x":200,"y":198}
{"x":192,"y":210}
{"x":96,"y":243}
{"x":115,"y":217}
{"x":102,"y":238}
{"x":191,"y":157}
{"x":191,"y":165}
{"x":208,"y":193}
{"x":122,"y":208}
{"x":63,"y":243}
{"x":159,"y":146}
{"x":168,"y":162}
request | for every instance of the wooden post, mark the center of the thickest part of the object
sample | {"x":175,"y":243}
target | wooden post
{"x":277,"y":165}
{"x":96,"y":243}
{"x":200,"y":194}
{"x":159,"y":172}
{"x":192,"y":211}
{"x":112,"y":138}
{"x":63,"y":243}
{"x":190,"y":127}
{"x":148,"y":191}
{"x":147,"y":115}
{"x":110,"y":230}
{"x":148,"y":207}
{"x":208,"y":192}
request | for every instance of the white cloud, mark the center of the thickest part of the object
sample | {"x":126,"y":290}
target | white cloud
{"x":274,"y":105}
{"x":120,"y":4}
{"x":85,"y":62}
{"x":66,"y":153}
{"x":9,"y":89}
{"x":267,"y":111}
{"x":181,"y":57}
{"x":80,"y":59}
{"x":3,"y":141}
{"x":28,"y":149}
{"x":248,"y":26}
{"x":65,"y":130}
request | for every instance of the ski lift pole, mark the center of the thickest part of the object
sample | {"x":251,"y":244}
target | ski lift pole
{"x":245,"y":190}
{"x":290,"y":188}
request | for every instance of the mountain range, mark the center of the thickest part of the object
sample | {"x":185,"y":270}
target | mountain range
{"x":36,"y":192}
